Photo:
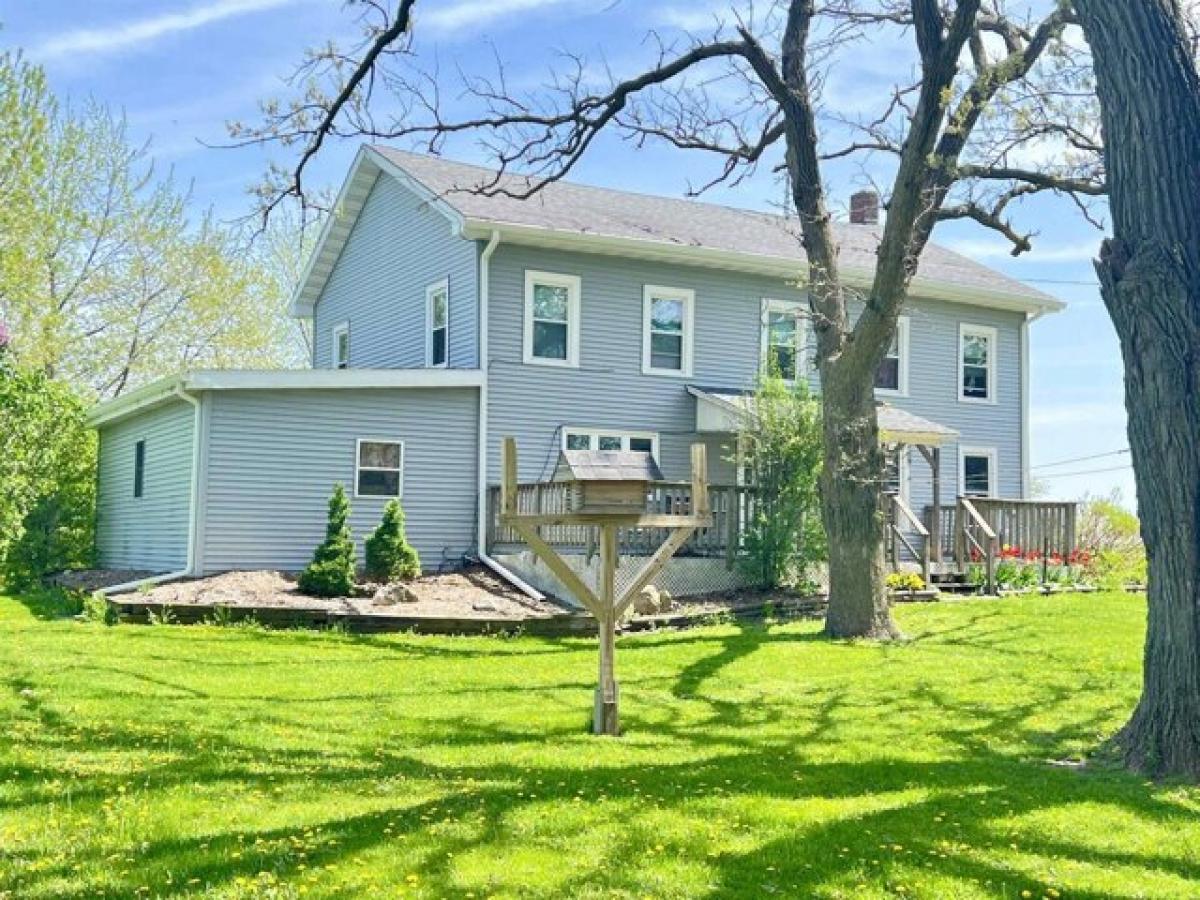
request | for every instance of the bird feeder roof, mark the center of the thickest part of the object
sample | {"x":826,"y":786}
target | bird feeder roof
{"x":606,"y":465}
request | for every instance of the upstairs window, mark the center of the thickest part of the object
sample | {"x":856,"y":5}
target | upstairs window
{"x":604,"y":439}
{"x":782,"y":340}
{"x":139,"y":468}
{"x":551,"y":319}
{"x":977,"y":468}
{"x":892,"y":375}
{"x":667,"y":330}
{"x":378,"y":467}
{"x":437,"y":321}
{"x":340,"y":346}
{"x":977,"y":364}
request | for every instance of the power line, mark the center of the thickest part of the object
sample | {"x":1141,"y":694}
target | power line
{"x":1075,"y":459}
{"x":1123,"y":468}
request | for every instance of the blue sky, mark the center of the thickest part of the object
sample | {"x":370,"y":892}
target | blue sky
{"x":180,"y":70}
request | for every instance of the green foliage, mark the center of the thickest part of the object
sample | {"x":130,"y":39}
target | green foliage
{"x":784,"y":538}
{"x":331,"y":573}
{"x":47,"y":468}
{"x":389,"y":556}
{"x":1112,"y":535}
{"x":108,"y":275}
{"x":905,"y":581}
{"x":96,"y":608}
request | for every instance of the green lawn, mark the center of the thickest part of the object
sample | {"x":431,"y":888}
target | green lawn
{"x":200,"y":761}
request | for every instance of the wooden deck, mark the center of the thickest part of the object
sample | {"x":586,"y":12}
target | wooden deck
{"x":968,"y":529}
{"x":730,"y":507}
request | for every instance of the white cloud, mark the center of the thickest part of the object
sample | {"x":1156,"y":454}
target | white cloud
{"x":1081,"y":251}
{"x":140,"y":32}
{"x":471,"y":15}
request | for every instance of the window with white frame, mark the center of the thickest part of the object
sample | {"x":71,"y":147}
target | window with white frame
{"x":667,"y":330}
{"x":437,"y":323}
{"x":610,"y":439}
{"x":977,"y":471}
{"x":977,"y":363}
{"x":340,"y":346}
{"x":892,"y":375}
{"x":378,"y":467}
{"x":782,"y":339}
{"x":551,"y":319}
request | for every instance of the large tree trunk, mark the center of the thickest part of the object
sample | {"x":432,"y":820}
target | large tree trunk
{"x":850,"y":495}
{"x":1150,"y":279}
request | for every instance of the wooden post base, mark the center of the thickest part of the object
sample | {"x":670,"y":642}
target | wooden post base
{"x":604,"y":718}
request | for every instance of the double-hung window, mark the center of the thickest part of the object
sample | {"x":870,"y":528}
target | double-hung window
{"x":340,"y":346}
{"x":551,"y":319}
{"x":977,"y":471}
{"x":782,"y":340}
{"x":610,"y":439}
{"x":667,"y":330}
{"x":891,"y":377}
{"x":437,"y":323}
{"x":976,"y":364}
{"x":378,"y":464}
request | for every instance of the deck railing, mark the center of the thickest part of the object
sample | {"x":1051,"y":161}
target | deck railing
{"x":731,"y":508}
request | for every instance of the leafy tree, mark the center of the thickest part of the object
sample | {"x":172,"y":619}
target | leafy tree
{"x":748,"y":93}
{"x":390,"y":557}
{"x":47,"y":469}
{"x":331,"y":573}
{"x":1148,"y":84}
{"x":108,"y":275}
{"x":785,"y":539}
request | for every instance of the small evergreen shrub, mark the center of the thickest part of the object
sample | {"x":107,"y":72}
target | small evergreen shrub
{"x":331,"y":573}
{"x":390,"y":557}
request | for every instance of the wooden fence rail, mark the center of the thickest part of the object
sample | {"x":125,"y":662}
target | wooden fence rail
{"x":731,"y":508}
{"x":1045,"y":526}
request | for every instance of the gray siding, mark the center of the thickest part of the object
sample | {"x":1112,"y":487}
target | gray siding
{"x":151,"y":531}
{"x":608,"y":390}
{"x":398,"y":247}
{"x":274,"y":456}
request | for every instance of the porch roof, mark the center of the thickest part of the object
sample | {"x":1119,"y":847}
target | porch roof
{"x":726,"y":410}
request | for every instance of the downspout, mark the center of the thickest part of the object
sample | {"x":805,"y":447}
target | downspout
{"x":193,"y":509}
{"x":481,"y":508}
{"x":1026,"y":478}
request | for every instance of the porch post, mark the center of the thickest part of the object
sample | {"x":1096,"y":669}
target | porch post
{"x":935,"y":462}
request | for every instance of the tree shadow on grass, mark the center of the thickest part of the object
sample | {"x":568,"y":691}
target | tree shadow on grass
{"x":749,"y":805}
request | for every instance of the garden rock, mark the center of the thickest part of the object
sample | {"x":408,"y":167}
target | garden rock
{"x":647,"y":602}
{"x":391,"y":594}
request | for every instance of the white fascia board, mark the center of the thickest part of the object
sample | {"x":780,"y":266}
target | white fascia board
{"x":753,"y":263}
{"x":330,"y":379}
{"x":167,"y":389}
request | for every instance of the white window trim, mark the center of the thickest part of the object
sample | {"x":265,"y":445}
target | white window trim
{"x":361,"y":468}
{"x":764,"y":350}
{"x":993,"y":472}
{"x":594,"y":434}
{"x":442,"y":286}
{"x":688,"y":296}
{"x":986,"y":331}
{"x":573,"y":284}
{"x":338,"y":330}
{"x":902,"y":332}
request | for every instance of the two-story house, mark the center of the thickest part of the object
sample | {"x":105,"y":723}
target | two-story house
{"x":444,"y":320}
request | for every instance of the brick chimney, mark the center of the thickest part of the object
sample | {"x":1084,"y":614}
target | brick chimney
{"x":864,"y":208}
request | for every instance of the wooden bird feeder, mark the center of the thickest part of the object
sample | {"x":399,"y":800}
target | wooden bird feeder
{"x":610,"y":490}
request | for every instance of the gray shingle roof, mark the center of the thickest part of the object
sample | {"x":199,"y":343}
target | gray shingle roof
{"x":583,"y":209}
{"x":606,"y":465}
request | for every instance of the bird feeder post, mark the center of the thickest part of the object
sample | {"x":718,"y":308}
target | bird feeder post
{"x":611,"y":488}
